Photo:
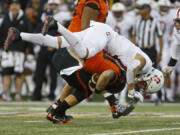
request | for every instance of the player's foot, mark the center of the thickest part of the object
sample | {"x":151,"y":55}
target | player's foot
{"x":120,"y":110}
{"x":61,"y":119}
{"x":51,"y":112}
{"x":13,"y":35}
{"x":50,"y":22}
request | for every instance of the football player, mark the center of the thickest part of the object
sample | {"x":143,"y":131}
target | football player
{"x":119,"y":20}
{"x":92,"y":40}
{"x":166,"y":20}
{"x":175,"y":54}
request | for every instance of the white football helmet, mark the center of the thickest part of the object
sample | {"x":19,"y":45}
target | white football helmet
{"x":118,"y":7}
{"x":142,"y":2}
{"x":154,"y":80}
{"x":164,"y":3}
{"x":54,"y":2}
{"x":164,"y":6}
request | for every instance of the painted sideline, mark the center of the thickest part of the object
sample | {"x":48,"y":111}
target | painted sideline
{"x":138,"y":131}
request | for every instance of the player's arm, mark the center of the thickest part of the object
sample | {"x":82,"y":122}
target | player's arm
{"x":98,"y":83}
{"x":175,"y":55}
{"x":88,"y":14}
{"x":132,"y":69}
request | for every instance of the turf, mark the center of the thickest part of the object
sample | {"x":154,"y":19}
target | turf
{"x":29,"y":119}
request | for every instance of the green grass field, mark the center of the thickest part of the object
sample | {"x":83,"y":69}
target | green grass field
{"x":90,"y":119}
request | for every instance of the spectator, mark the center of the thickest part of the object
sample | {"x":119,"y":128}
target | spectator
{"x":12,"y":61}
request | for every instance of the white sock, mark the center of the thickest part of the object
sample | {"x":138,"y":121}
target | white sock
{"x":169,"y":93}
{"x":47,"y":40}
{"x":73,"y":41}
{"x":107,"y":94}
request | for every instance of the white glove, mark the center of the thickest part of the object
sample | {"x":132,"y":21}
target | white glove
{"x":135,"y":94}
{"x":168,"y":69}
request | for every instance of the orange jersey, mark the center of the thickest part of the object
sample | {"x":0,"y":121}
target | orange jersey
{"x":101,"y":62}
{"x":101,"y":5}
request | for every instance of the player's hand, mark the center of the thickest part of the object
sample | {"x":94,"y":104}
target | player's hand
{"x":92,"y":82}
{"x":168,"y":70}
{"x":132,"y":94}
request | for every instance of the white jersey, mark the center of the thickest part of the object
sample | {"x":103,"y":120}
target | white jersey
{"x":175,"y":50}
{"x":101,"y":36}
{"x":167,"y":23}
{"x":121,"y":26}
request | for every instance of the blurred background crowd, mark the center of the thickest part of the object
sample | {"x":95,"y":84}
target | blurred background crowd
{"x":30,"y":72}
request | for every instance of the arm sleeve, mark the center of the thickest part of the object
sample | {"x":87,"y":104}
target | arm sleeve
{"x":130,"y":75}
{"x":175,"y":49}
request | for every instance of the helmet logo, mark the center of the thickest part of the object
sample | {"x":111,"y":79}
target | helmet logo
{"x":156,"y":79}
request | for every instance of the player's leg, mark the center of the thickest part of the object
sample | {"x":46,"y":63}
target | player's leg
{"x":73,"y":99}
{"x":66,"y":91}
{"x":15,"y":35}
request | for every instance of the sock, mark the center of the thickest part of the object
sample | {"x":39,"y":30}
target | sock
{"x":110,"y":98}
{"x":47,"y":40}
{"x":62,"y":108}
{"x":58,"y":102}
{"x":73,"y":41}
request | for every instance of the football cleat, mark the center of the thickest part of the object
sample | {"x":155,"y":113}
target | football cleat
{"x":50,"y":22}
{"x":57,"y":119}
{"x":13,"y":35}
{"x":51,"y":110}
{"x":120,"y":110}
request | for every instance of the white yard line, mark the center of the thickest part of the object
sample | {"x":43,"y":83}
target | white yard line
{"x":138,"y":131}
{"x":36,"y":121}
{"x":83,"y":103}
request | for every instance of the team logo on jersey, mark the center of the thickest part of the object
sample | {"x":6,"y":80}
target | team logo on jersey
{"x":108,"y":33}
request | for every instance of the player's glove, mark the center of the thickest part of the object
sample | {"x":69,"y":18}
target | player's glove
{"x":168,"y":69}
{"x":132,"y":94}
